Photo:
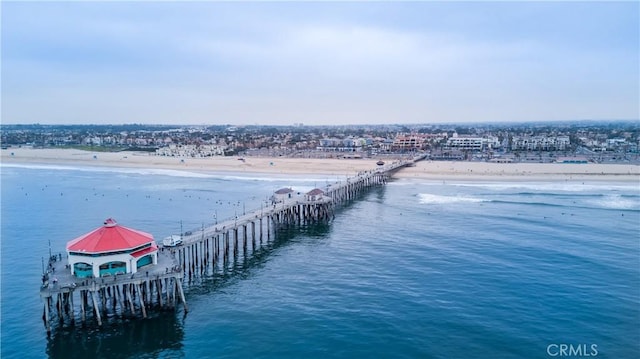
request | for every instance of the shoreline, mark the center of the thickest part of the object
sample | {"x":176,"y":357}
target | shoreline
{"x":485,"y":171}
{"x":283,"y":166}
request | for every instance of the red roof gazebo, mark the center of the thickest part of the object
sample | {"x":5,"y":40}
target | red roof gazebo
{"x":111,"y":249}
{"x":109,"y":238}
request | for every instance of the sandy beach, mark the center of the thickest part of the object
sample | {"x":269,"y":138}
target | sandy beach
{"x":434,"y":170}
{"x":444,"y":170}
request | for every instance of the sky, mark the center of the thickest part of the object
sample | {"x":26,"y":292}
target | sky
{"x":318,"y":63}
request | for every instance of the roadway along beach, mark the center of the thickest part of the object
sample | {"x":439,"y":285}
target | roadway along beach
{"x":431,"y":170}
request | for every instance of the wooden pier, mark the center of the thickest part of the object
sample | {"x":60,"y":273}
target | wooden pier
{"x":69,"y":298}
{"x":212,"y":243}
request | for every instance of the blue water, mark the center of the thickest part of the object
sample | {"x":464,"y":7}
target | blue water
{"x":415,"y":269}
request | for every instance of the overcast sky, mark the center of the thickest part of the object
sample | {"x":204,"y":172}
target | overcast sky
{"x":318,"y":63}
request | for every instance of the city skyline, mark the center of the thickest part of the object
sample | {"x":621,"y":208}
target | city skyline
{"x":319,"y":63}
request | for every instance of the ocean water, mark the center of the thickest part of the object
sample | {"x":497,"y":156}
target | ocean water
{"x":414,"y":269}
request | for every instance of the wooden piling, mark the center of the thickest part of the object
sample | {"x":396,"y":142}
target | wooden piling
{"x":142,"y":306}
{"x":159,"y":289}
{"x":72,"y":315}
{"x":47,"y":323}
{"x":181,"y":293}
{"x":83,"y":300}
{"x":96,"y":308}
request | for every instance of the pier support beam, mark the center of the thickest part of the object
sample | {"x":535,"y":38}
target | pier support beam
{"x":47,"y":323}
{"x":83,"y":299}
{"x":159,"y":289}
{"x":72,"y":315}
{"x":96,"y":308}
{"x":130,"y":295}
{"x":173,"y":293}
{"x":181,"y":293}
{"x":144,"y":311}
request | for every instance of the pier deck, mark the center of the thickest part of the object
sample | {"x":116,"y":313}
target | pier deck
{"x":60,"y":278}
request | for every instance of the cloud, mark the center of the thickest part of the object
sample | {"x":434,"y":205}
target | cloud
{"x":313,"y":63}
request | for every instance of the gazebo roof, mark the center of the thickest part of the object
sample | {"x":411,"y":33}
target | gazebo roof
{"x":110,"y":237}
{"x":315,"y":192}
{"x":284,"y":190}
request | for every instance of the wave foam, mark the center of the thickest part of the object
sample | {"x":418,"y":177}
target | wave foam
{"x":428,"y":198}
{"x":124,"y":170}
{"x":617,"y":202}
{"x":551,"y":187}
{"x":227,"y":176}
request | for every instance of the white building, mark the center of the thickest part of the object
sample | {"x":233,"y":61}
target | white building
{"x":173,"y":150}
{"x":540,"y":143}
{"x":466,"y":143}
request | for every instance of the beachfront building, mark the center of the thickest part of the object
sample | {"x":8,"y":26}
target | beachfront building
{"x":471,"y":143}
{"x":540,"y":143}
{"x":110,"y":250}
{"x":407,"y":142}
{"x":465,"y":143}
{"x":199,"y":151}
{"x":349,"y":144}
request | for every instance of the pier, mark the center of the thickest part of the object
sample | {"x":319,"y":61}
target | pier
{"x":69,"y":298}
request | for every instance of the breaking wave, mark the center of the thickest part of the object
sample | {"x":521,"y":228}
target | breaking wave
{"x":227,"y":176}
{"x":428,"y":198}
{"x":616,"y":201}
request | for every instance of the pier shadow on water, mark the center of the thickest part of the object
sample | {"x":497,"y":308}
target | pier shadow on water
{"x":162,"y":333}
{"x":241,"y":265}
